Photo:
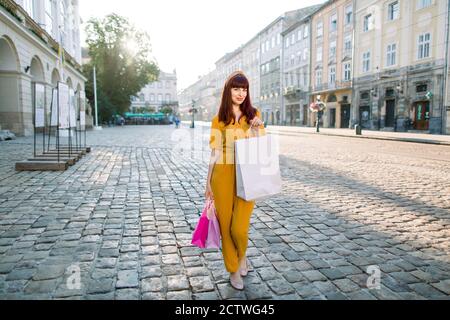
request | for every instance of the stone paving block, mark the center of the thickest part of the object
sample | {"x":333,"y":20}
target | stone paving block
{"x":227,"y":292}
{"x":361,"y":295}
{"x":153,"y":296}
{"x":212,"y":295}
{"x":426,"y":290}
{"x":314,"y":275}
{"x":21,"y":274}
{"x":443,"y":286}
{"x":152,"y":285}
{"x":44,"y":286}
{"x":332,"y":273}
{"x":127,"y":279}
{"x":100,"y":286}
{"x":176,"y":283}
{"x":100,"y":273}
{"x":127,"y":294}
{"x":49,"y":272}
{"x":201,"y":284}
{"x":6,"y":268}
{"x":179,"y":295}
{"x":346,"y":285}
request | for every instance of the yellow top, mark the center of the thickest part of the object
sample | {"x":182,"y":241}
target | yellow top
{"x":223,"y":137}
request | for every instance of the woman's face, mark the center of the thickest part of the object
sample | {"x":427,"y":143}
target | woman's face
{"x":238,"y":95}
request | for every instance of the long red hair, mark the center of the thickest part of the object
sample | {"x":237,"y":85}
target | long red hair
{"x":226,"y":115}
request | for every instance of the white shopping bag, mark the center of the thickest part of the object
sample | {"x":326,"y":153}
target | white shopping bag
{"x":258,"y":168}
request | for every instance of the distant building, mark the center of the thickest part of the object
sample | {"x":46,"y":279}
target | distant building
{"x":29,"y":35}
{"x":296,"y":70}
{"x":400,"y":65}
{"x":156,"y":95}
{"x":332,"y":61}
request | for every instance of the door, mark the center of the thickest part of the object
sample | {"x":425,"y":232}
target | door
{"x":364,"y":117}
{"x":305,"y":115}
{"x":345,"y":116}
{"x":332,"y":118}
{"x":422,"y":115}
{"x":390,"y":114}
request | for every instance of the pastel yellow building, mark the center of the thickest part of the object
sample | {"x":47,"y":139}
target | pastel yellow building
{"x":332,"y":61}
{"x":400,"y":58}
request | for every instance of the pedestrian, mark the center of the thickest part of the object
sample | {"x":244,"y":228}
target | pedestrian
{"x":177,"y":122}
{"x":237,"y":119}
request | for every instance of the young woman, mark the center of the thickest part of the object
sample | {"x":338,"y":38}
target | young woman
{"x":237,"y":119}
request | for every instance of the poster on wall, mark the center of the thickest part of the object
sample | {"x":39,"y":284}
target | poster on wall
{"x":39,"y":102}
{"x":82,"y":99}
{"x":63,"y":101}
{"x":54,"y":107}
{"x":72,"y":113}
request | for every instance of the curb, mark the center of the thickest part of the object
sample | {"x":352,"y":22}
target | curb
{"x":409,"y":140}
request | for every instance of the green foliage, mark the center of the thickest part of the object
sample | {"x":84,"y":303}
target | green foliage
{"x":121,"y":55}
{"x":166,"y":110}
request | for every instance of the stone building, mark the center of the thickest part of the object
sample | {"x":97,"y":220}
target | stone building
{"x":400,"y":61}
{"x":154,"y":96}
{"x":296,"y":70}
{"x":29,"y":35}
{"x":332,"y":61}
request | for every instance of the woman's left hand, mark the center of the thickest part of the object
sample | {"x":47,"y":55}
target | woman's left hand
{"x":256,"y":122}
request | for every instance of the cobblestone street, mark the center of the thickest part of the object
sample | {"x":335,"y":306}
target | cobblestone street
{"x":124,"y":215}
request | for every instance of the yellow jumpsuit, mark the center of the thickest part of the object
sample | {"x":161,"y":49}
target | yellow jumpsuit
{"x":233,"y":212}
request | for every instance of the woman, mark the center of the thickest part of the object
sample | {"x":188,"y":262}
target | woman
{"x":237,"y":119}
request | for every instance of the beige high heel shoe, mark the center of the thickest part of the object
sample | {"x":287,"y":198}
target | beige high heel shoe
{"x":238,"y":285}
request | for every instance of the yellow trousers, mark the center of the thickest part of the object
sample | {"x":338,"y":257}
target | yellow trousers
{"x":233,"y":214}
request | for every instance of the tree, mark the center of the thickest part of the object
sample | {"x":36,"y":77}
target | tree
{"x":121,"y":55}
{"x":166,"y":110}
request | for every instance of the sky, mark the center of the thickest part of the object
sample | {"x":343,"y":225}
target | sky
{"x":191,"y":35}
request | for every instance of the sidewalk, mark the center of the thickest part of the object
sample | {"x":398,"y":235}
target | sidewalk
{"x":366,"y":134}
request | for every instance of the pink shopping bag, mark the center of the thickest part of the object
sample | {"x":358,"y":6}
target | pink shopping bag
{"x":213,"y":238}
{"x":201,"y":231}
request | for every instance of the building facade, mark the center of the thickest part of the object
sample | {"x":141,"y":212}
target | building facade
{"x":251,"y":62}
{"x":332,"y":62}
{"x":400,"y":65}
{"x":29,"y":36}
{"x":156,"y":95}
{"x":270,"y":71}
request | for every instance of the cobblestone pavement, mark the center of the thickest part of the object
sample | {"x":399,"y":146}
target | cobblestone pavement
{"x":121,"y":220}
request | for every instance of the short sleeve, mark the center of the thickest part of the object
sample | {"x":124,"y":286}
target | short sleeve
{"x":215,"y":140}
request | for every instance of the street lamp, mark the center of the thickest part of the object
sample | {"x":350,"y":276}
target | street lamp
{"x":193,"y":111}
{"x":318,"y":107}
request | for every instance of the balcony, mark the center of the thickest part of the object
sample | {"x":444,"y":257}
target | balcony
{"x":294,"y":93}
{"x":22,"y":16}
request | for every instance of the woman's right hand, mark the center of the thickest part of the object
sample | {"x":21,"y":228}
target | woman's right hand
{"x":208,"y":193}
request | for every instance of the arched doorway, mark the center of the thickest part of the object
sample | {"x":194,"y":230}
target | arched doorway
{"x":38,"y":100}
{"x":69,"y":83}
{"x":10,"y":109}
{"x":37,"y":70}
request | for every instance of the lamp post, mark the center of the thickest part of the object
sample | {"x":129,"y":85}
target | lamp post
{"x":318,"y":107}
{"x":193,"y":111}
